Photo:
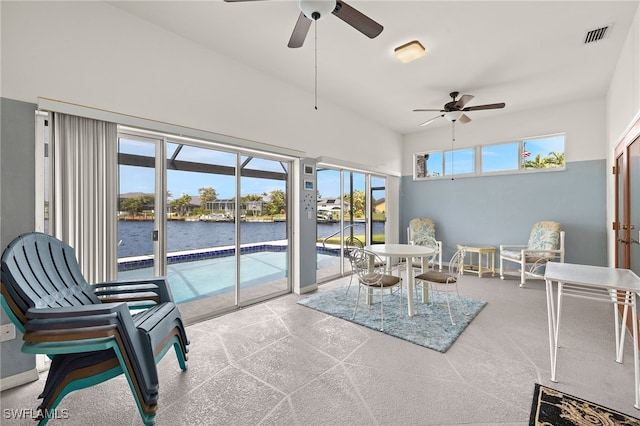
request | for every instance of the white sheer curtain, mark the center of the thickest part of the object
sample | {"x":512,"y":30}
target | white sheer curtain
{"x":83,"y":199}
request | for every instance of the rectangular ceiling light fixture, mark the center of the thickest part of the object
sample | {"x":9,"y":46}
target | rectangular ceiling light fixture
{"x":409,"y":52}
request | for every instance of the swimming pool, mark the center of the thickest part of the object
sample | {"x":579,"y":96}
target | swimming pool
{"x":197,"y":278}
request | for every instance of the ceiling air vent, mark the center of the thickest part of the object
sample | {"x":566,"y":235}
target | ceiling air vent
{"x":597,"y":34}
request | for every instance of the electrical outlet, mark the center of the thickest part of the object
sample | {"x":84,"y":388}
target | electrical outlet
{"x":7,"y":332}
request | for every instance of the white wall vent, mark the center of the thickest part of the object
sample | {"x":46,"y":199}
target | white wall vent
{"x":597,"y":34}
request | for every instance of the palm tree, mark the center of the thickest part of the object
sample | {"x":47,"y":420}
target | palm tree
{"x":555,"y":159}
{"x":537,"y":163}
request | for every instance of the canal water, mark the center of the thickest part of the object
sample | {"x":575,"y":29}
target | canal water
{"x":135,"y":236}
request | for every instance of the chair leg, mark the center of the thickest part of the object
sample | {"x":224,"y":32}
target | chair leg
{"x":449,"y":307}
{"x":462,"y":308}
{"x":501,"y":269}
{"x":522,"y":272}
{"x":382,"y":310}
{"x":349,"y":285}
{"x":357,"y":300}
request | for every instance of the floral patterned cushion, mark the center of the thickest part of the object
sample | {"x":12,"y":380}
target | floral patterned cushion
{"x":545,"y":235}
{"x":422,"y":230}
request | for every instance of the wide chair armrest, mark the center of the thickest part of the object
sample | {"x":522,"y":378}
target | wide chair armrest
{"x":77,"y":318}
{"x":73,"y":321}
{"x":542,"y":254}
{"x":151,"y":289}
{"x":512,"y":246}
{"x":74,"y":311}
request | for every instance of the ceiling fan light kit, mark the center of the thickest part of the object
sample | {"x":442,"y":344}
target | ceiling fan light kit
{"x":452,"y":115}
{"x":409,"y":51}
{"x":316,"y":9}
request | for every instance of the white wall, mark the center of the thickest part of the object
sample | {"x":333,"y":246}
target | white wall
{"x":93,"y":54}
{"x":623,"y":109}
{"x":623,"y":97}
{"x":583,"y":122}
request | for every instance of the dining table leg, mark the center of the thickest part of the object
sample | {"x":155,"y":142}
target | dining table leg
{"x":411,"y":284}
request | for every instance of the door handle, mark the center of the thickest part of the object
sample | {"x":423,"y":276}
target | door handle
{"x":154,"y":236}
{"x":625,"y":241}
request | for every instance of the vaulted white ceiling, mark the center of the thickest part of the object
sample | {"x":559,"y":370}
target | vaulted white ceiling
{"x":527,"y":54}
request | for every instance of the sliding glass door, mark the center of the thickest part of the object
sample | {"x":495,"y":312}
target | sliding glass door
{"x":138,"y":224}
{"x":213,"y":221}
{"x":263,"y":228}
{"x":378,"y":209}
{"x":351,"y":211}
{"x":201,"y":236}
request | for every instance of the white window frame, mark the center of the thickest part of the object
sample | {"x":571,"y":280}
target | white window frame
{"x":478,"y":160}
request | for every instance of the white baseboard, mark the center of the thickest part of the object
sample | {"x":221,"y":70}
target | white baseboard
{"x":308,"y":289}
{"x":18,"y":379}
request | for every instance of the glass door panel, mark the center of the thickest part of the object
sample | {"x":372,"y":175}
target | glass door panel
{"x":378,"y":209}
{"x":201,"y":235}
{"x":355,"y":214}
{"x":330,"y":262}
{"x":634,"y":206}
{"x":137,"y":219}
{"x":263,"y":228}
{"x":621,"y":220}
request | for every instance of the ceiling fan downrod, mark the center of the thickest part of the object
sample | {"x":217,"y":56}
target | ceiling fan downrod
{"x":315,"y":28}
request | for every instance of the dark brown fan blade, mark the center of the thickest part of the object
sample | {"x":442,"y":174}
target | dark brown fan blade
{"x":357,"y":20}
{"x":464,"y":99}
{"x":429,"y":109}
{"x":464,"y":119}
{"x":432,"y":119}
{"x":487,"y":106}
{"x":300,"y":31}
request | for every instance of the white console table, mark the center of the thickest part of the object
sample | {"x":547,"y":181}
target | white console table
{"x":611,"y":285}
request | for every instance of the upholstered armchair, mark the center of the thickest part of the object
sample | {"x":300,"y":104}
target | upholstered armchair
{"x":422,"y":231}
{"x":546,"y":243}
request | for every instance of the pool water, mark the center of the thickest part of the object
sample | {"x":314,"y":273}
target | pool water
{"x":198,"y":279}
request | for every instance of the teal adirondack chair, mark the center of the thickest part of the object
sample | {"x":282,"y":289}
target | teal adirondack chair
{"x":89,"y":331}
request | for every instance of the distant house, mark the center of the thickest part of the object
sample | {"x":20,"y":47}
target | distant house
{"x":332,"y":204}
{"x":253,"y":207}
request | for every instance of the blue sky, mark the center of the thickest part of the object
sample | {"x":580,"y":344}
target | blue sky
{"x":141,"y":179}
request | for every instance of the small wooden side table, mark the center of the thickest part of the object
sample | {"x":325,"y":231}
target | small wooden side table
{"x":489,"y":253}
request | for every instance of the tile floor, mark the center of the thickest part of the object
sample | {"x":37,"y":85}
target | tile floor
{"x":278,"y":363}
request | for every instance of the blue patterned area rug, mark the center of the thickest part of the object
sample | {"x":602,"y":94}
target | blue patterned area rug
{"x":429,"y":327}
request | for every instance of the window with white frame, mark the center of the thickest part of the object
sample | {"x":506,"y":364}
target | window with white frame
{"x":526,"y":155}
{"x":543,"y":153}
